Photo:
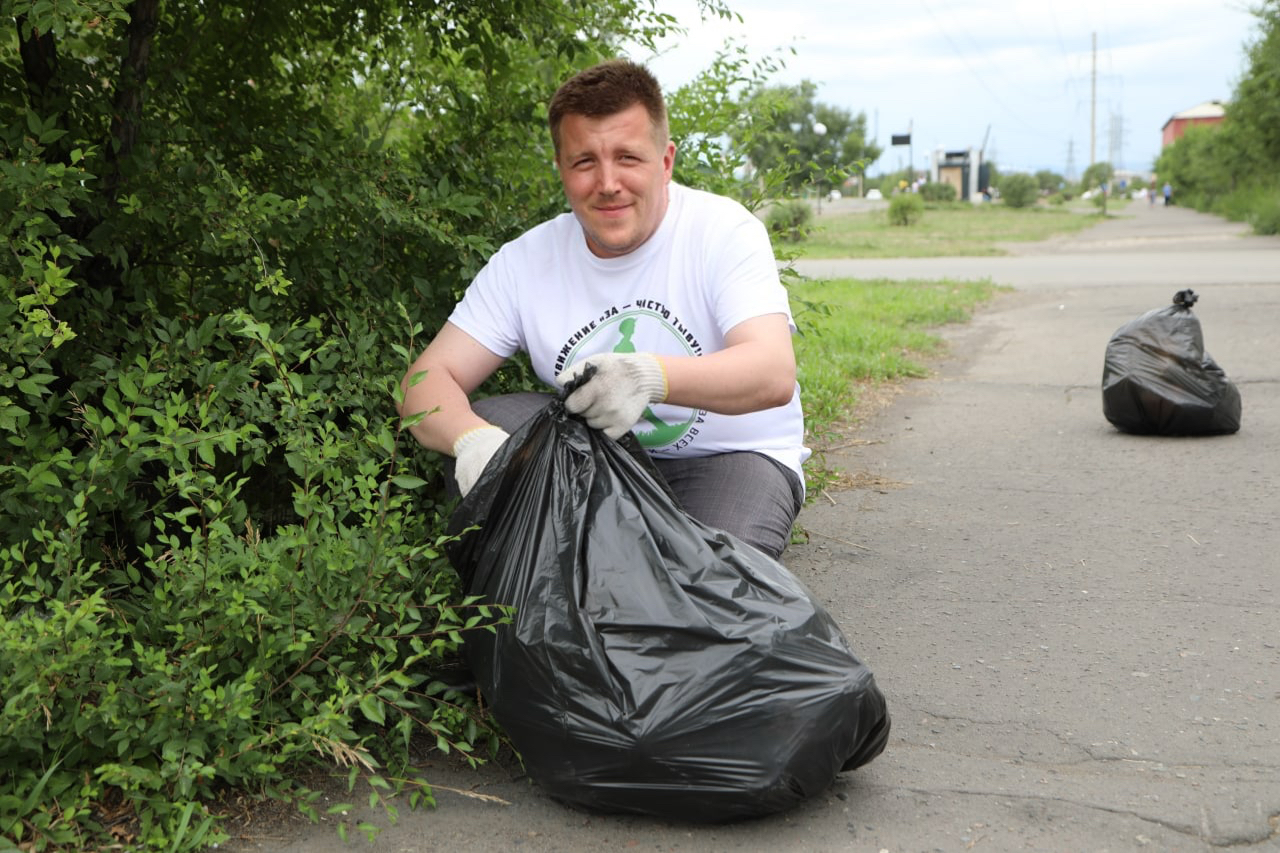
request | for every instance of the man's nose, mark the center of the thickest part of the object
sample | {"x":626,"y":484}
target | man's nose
{"x":609,"y":179}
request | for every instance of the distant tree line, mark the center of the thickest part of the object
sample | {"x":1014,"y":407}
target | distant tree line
{"x":1233,"y":168}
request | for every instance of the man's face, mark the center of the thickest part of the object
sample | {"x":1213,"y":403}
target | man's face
{"x":615,"y":176}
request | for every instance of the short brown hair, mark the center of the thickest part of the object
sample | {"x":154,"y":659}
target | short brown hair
{"x":607,"y":89}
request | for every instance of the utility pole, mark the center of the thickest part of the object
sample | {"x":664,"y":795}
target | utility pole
{"x":1093,"y":105}
{"x":1111,"y":142}
{"x":1116,"y":152}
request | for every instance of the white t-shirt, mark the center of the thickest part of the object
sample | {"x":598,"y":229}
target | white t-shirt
{"x":708,"y":267}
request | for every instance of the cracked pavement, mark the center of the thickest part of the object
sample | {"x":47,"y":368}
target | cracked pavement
{"x":1077,"y":630}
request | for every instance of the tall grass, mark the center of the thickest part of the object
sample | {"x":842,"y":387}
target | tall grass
{"x":1257,"y":204}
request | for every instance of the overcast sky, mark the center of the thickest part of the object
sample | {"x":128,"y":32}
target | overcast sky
{"x":1014,"y":73}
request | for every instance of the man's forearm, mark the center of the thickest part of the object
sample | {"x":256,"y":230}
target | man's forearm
{"x":734,"y":381}
{"x":755,"y":371}
{"x":439,"y":382}
{"x":448,"y":410}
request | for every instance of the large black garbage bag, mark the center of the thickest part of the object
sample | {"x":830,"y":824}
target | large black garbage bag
{"x":1157,"y":377}
{"x":655,"y":665}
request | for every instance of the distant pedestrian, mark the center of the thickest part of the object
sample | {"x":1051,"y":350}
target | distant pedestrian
{"x":1151,"y":194}
{"x":1168,"y":194}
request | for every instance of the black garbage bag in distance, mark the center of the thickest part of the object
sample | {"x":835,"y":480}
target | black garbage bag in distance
{"x":655,"y":665}
{"x":1158,"y":379}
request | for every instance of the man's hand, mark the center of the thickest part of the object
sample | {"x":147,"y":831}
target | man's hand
{"x":613,"y":399}
{"x":472,"y":452}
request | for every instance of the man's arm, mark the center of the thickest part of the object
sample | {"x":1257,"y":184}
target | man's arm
{"x":454,"y":364}
{"x":756,"y":370}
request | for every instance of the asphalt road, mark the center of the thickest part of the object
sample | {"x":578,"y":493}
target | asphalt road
{"x":1077,"y":630}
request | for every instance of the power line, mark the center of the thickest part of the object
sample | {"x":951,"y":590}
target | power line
{"x":978,"y":77}
{"x":1057,"y":34}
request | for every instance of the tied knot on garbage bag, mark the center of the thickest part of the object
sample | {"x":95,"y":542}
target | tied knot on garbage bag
{"x":653,"y":665}
{"x":1158,"y":379}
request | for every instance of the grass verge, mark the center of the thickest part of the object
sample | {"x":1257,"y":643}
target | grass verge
{"x":950,"y":230}
{"x":860,"y":333}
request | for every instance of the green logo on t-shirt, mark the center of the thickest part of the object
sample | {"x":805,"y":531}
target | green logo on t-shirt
{"x":663,"y":433}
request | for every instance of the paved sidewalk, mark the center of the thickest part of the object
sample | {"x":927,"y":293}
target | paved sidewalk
{"x":1078,"y":631}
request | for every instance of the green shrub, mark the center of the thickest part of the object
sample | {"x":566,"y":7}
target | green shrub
{"x":227,"y":632}
{"x":905,"y":209}
{"x":1265,"y":216}
{"x":788,"y":220}
{"x":938,"y":191}
{"x":1254,"y":203}
{"x":1019,"y":190}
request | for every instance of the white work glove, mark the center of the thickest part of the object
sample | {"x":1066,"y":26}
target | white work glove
{"x":623,"y":386}
{"x":472,"y":452}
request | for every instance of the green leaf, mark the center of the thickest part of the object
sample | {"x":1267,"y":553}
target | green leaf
{"x":45,"y":477}
{"x":408,"y":481}
{"x":373,"y":709}
{"x":128,"y":388}
{"x":208,"y":453}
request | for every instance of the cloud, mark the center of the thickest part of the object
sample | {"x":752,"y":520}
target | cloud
{"x":1019,"y":74}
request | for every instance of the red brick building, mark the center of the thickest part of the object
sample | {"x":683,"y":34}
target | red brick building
{"x":1210,"y":112}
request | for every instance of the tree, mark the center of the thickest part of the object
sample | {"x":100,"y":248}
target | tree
{"x":1049,"y":181}
{"x":707,"y":112}
{"x":1097,"y":175}
{"x":1231,"y":168}
{"x":792,"y":121}
{"x":1202,"y":164}
{"x":1255,"y":105}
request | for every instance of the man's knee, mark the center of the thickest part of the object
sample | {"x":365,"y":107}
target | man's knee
{"x":747,"y":494}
